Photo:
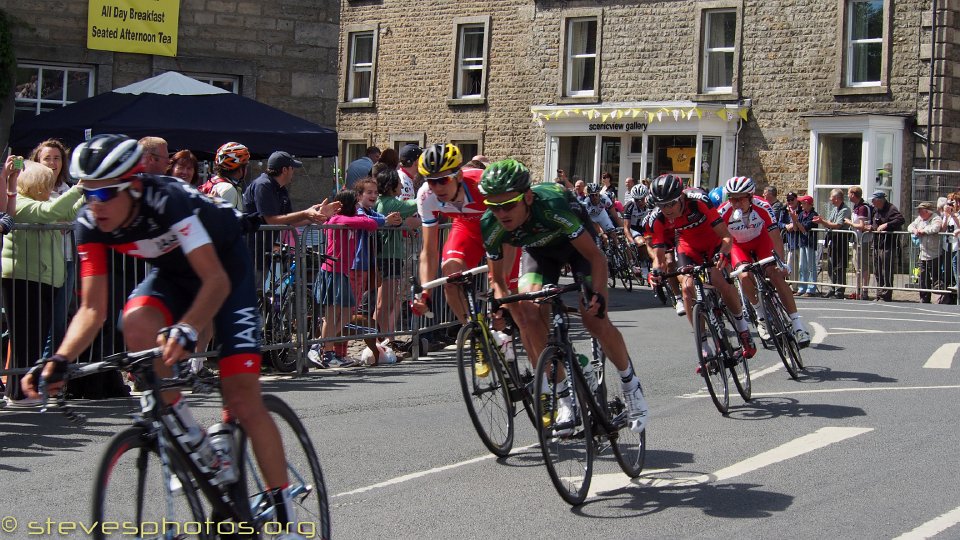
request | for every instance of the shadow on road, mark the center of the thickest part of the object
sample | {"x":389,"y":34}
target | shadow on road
{"x":763,"y":408}
{"x":819,"y":374}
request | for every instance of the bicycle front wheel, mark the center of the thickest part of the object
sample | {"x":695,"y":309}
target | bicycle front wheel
{"x":136,"y":488}
{"x":786,"y":343}
{"x":484,"y":389}
{"x":738,"y":365}
{"x":629,"y":448}
{"x":565,"y":435}
{"x":711,"y":368}
{"x":307,"y":488}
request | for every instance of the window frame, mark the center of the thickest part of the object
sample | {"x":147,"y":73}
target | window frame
{"x":38,"y":102}
{"x":351,"y":34}
{"x":710,"y":16}
{"x":705,"y":93}
{"x":565,"y":93}
{"x":460,"y":24}
{"x":210,"y":78}
{"x":844,"y":67}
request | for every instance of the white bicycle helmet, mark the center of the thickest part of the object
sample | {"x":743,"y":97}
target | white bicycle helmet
{"x":739,"y":185}
{"x":106,"y":156}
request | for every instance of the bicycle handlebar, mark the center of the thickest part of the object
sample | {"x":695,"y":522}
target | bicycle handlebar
{"x":454,"y":277}
{"x":550,"y":292}
{"x":689,"y":269}
{"x":746,"y":267}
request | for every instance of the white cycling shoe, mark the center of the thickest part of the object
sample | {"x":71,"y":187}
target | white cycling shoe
{"x":637,"y":411}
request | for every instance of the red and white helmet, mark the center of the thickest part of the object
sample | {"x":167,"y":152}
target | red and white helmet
{"x":231,"y":156}
{"x":739,"y":185}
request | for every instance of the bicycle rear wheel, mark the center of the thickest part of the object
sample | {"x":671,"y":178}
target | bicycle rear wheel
{"x":712,"y":368}
{"x":567,"y":444}
{"x":485,"y":390}
{"x":522,"y":373}
{"x":134,"y":487}
{"x":782,"y":333}
{"x":278,"y":328}
{"x":307,"y":488}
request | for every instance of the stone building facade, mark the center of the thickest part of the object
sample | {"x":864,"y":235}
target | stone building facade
{"x":804,"y":95}
{"x":281,"y":52}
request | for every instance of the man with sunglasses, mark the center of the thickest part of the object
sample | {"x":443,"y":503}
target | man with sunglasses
{"x":450,"y":191}
{"x":549,"y":224}
{"x":701,"y":234}
{"x":190,"y":241}
{"x":756,"y":235}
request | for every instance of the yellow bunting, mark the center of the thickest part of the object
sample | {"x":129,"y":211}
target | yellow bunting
{"x":603,"y":118}
{"x":650,"y":116}
{"x":635,"y":112}
{"x":743,"y":113}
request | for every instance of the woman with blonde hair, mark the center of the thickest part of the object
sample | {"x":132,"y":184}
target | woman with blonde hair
{"x":33,"y":267}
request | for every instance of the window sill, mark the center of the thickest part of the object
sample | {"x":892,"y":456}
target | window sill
{"x":357,"y":105}
{"x":453,"y":102}
{"x":568,"y":100}
{"x":717,"y":97}
{"x":860,"y":90}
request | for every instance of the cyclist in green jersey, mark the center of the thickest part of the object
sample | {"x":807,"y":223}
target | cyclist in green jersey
{"x":549,"y":224}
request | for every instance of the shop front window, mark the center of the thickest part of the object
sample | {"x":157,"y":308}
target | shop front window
{"x":674,"y":154}
{"x":610,"y":160}
{"x":576,"y":156}
{"x":710,"y":163}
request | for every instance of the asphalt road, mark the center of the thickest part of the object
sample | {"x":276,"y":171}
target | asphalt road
{"x":864,"y":445}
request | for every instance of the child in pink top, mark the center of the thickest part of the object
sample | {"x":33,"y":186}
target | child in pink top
{"x":333,"y":283}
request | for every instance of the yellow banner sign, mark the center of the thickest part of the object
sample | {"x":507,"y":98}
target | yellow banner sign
{"x":134,"y":26}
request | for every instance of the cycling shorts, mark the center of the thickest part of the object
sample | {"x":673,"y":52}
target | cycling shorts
{"x":759,"y":248}
{"x":542,"y":265}
{"x":237,"y":324}
{"x":688,"y":257}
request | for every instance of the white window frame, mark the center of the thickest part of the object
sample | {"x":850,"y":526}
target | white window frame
{"x":213,"y":79}
{"x":571,"y":57}
{"x":465,"y":65}
{"x":871,"y":128}
{"x":709,"y":17}
{"x":38,"y":102}
{"x":354,"y":67}
{"x":852,"y":43}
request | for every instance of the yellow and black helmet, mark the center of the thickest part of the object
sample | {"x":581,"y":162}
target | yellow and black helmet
{"x":440,"y":159}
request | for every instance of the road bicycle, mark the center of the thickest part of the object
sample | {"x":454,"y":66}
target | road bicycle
{"x":617,"y":263}
{"x":278,"y":303}
{"x":778,"y":322}
{"x":713,"y":326}
{"x":493,"y":377}
{"x":150,"y":483}
{"x":600,"y":414}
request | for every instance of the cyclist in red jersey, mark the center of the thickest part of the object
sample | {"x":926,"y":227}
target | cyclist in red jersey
{"x":451,"y":191}
{"x":753,"y":228}
{"x":701,"y":234}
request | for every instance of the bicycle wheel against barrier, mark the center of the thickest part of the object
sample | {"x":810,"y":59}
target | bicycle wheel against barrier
{"x":279,"y":328}
{"x":629,"y":448}
{"x":484,"y":389}
{"x":135,"y":486}
{"x":566,"y":443}
{"x":738,"y":365}
{"x":307,"y":488}
{"x":711,"y":368}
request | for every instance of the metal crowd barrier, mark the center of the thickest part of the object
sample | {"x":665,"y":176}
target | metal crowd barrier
{"x":369,"y":302}
{"x":877,"y":263}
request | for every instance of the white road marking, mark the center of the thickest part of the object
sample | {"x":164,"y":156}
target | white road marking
{"x":754,"y":375}
{"x":942,"y":358}
{"x":891,"y":319}
{"x":838,"y":390}
{"x":933,"y":527}
{"x":819,"y":439}
{"x":847,"y":331}
{"x":819,"y":333}
{"x":421,"y":474}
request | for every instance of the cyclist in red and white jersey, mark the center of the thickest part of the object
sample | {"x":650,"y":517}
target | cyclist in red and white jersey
{"x":756,"y":236}
{"x":701,"y":234}
{"x":451,"y":191}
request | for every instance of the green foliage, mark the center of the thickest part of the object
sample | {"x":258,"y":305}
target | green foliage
{"x":8,"y":58}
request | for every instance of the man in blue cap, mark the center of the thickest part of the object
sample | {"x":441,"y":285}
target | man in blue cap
{"x":886,"y":219}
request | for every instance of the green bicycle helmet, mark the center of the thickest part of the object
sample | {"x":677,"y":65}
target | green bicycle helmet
{"x":505,"y":176}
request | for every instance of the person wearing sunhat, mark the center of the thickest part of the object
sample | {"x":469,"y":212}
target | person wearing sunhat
{"x":886,"y":219}
{"x":926,"y":228}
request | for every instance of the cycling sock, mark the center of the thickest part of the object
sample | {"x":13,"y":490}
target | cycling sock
{"x":627,"y":374}
{"x":283,"y":505}
{"x":758,"y":309}
{"x":740,"y":323}
{"x":797,"y":323}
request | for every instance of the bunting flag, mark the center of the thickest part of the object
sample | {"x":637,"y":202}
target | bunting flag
{"x":742,"y":111}
{"x":651,"y":116}
{"x":635,"y":112}
{"x":676,"y":115}
{"x":616,"y":114}
{"x":660,"y":115}
{"x":603,"y":117}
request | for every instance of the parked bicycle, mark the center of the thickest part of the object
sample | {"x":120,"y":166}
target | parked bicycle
{"x":713,"y":331}
{"x":494,"y":374}
{"x":600,"y":421}
{"x":779,"y":325}
{"x":149,"y":480}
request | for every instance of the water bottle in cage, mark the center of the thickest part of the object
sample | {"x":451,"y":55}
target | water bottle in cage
{"x":192,"y":438}
{"x":221,"y":440}
{"x":588,"y":372}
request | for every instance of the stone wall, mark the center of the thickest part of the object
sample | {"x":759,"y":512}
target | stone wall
{"x":284,"y":51}
{"x":788,"y":69}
